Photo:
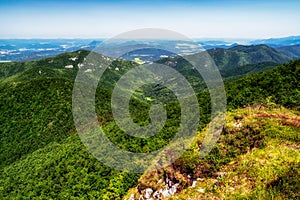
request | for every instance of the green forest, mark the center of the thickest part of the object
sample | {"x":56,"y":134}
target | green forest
{"x":42,"y":156}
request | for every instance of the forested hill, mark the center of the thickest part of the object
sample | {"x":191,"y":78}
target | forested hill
{"x":244,"y":55}
{"x":292,"y":51}
{"x":42,"y":156}
{"x":280,"y":85}
{"x":238,"y":61}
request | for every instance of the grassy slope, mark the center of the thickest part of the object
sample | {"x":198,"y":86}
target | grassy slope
{"x":268,"y":172}
{"x":260,"y":159}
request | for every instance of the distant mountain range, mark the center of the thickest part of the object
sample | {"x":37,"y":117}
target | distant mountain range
{"x":33,"y":49}
{"x":232,"y":62}
{"x":279,"y":42}
{"x":239,"y":60}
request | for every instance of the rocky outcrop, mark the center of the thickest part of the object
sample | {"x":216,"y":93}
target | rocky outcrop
{"x":170,"y":188}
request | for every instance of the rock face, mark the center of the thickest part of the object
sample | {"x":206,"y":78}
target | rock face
{"x":201,"y":190}
{"x":131,"y":197}
{"x":69,"y":66}
{"x":194,"y":184}
{"x":148,"y":194}
{"x":168,"y":191}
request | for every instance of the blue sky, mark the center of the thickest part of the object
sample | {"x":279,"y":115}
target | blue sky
{"x":196,"y":19}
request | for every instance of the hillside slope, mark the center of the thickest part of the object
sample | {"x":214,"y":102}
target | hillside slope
{"x":280,"y":85}
{"x":270,"y":171}
{"x":13,"y":71}
{"x":41,"y":154}
{"x":256,"y":157}
{"x":244,"y":55}
{"x":233,"y":63}
{"x":290,"y":51}
{"x":255,"y":129}
{"x":64,"y":170}
{"x":265,"y":172}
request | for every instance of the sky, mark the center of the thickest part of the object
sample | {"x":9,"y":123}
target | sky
{"x":105,"y":19}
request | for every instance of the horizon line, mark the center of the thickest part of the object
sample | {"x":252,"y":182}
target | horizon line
{"x":105,"y":38}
